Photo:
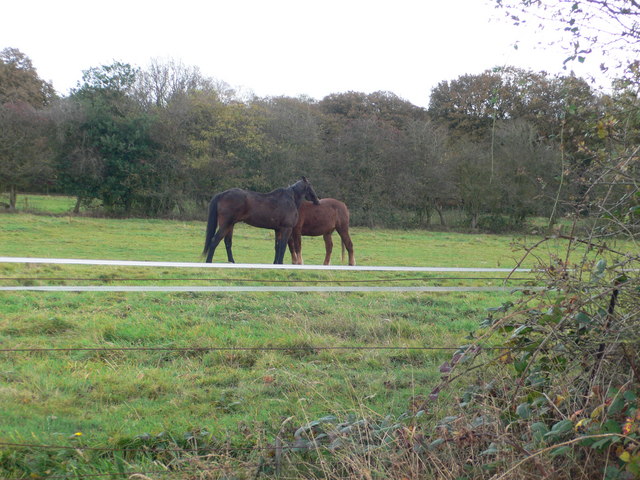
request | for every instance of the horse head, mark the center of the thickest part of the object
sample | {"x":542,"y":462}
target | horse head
{"x":303,"y":189}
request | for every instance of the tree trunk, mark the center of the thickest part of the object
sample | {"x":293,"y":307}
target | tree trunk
{"x":76,"y":208}
{"x":13,"y":196}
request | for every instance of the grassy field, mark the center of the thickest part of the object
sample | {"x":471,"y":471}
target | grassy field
{"x":240,"y":396}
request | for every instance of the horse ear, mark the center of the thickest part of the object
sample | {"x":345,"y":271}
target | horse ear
{"x":304,"y":179}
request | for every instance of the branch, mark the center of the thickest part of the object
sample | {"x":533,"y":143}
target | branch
{"x":591,"y":244}
{"x":563,"y":444}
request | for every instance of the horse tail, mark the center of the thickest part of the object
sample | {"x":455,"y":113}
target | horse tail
{"x":212,"y":224}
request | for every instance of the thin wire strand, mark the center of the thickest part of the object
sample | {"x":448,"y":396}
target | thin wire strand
{"x":225,"y":349}
{"x":177,"y":471}
{"x":127,"y":450}
{"x":256,"y":349}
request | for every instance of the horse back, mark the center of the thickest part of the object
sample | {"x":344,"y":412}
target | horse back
{"x":264,"y":210}
{"x":232,"y":204}
{"x":315,"y":220}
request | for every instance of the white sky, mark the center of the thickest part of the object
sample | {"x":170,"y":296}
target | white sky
{"x":279,"y":47}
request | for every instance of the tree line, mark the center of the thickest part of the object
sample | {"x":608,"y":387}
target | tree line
{"x":500,"y":146}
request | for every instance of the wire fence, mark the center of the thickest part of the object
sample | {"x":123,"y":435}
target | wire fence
{"x":169,"y":471}
{"x":234,"y":349}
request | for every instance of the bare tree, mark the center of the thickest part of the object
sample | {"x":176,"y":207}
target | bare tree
{"x":163,"y":81}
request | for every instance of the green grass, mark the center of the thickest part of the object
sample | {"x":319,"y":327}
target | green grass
{"x":114,"y":397}
{"x":81,"y":237}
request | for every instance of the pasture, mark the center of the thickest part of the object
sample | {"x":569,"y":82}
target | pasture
{"x":235,"y":369}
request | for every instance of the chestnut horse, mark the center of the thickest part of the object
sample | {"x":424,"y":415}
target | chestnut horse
{"x":322,"y":219}
{"x":277,"y":210}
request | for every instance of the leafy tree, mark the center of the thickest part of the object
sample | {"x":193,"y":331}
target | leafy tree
{"x":468,"y":105}
{"x":24,"y":152}
{"x":363,"y":137}
{"x":360,"y":169}
{"x":115,"y":134}
{"x":227,"y":145}
{"x":471,"y":104}
{"x":526,"y":171}
{"x":238,"y":137}
{"x":19,"y":81}
{"x":512,"y":174}
{"x":604,"y":141}
{"x":425,"y":178}
{"x":210,"y":143}
{"x":293,"y":129}
{"x":471,"y":164}
{"x":80,"y":166}
{"x":382,"y":106}
{"x":112,"y":81}
{"x":556,"y":107}
{"x":24,"y":149}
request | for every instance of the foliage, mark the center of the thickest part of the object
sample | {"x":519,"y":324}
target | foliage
{"x":161,"y":141}
{"x":80,"y":166}
{"x":19,"y":81}
{"x":25,"y":149}
{"x":565,"y":387}
{"x":25,"y":157}
{"x":105,"y":146}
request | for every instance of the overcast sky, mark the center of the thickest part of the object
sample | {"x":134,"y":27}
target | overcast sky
{"x":279,"y":47}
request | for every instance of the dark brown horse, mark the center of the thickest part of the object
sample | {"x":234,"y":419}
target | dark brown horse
{"x":322,"y":219}
{"x":277,"y":210}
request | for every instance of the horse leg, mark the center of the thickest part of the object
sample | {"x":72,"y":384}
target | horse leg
{"x":292,"y":250}
{"x":228,"y":240}
{"x":328,"y":247}
{"x":214,"y":243}
{"x":217,"y":238}
{"x":282,"y":238}
{"x":297,"y":242}
{"x":282,"y":248}
{"x":348,"y":244}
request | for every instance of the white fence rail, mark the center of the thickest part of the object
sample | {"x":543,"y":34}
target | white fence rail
{"x":195,"y":288}
{"x":263,"y":266}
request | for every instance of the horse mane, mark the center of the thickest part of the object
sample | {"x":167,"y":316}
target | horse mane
{"x":294,"y":186}
{"x":300,"y":188}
